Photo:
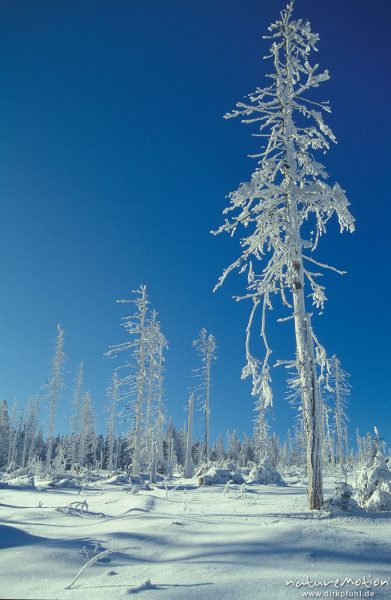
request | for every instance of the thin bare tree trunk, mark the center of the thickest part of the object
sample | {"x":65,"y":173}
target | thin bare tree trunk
{"x":188,"y":462}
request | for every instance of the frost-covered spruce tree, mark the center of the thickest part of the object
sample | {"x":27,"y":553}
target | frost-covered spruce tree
{"x":374,"y":480}
{"x":218,"y":452}
{"x":13,"y":442}
{"x":135,"y":377}
{"x":156,"y":344}
{"x":76,"y":417}
{"x":339,"y":386}
{"x":233,"y":446}
{"x":246,"y":454}
{"x":54,"y":386}
{"x":161,"y":346}
{"x":328,"y":450}
{"x":87,"y":431}
{"x":5,"y":433}
{"x":261,"y":442}
{"x":285,"y":208}
{"x":188,"y":472}
{"x":113,"y":395}
{"x":29,"y":432}
{"x":148,"y":438}
{"x":206,"y":346}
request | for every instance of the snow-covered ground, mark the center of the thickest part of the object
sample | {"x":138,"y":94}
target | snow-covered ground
{"x":189,"y":542}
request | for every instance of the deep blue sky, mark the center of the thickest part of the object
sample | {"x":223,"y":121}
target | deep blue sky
{"x":115,"y":163}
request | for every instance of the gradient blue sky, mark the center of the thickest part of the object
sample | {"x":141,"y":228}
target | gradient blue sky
{"x":115,"y":163}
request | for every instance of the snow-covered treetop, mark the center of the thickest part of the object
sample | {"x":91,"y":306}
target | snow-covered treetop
{"x":336,"y":376}
{"x":206,"y":346}
{"x":144,"y":347}
{"x":293,"y":127}
{"x":206,"y":343}
{"x":55,"y":381}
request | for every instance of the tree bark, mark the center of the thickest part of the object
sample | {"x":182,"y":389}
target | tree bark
{"x":312,"y":409}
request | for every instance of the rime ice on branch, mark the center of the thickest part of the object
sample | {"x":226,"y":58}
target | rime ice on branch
{"x":284,"y":209}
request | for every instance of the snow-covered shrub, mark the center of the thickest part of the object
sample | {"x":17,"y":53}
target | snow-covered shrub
{"x":78,"y":507}
{"x":89,"y":551}
{"x":147,"y":585}
{"x":56,"y":481}
{"x":15,"y":472}
{"x":18,"y":482}
{"x":19,"y":478}
{"x":265,"y":473}
{"x":380,"y":500}
{"x":342,"y":502}
{"x":214,"y":476}
{"x":36,"y":466}
{"x":374,"y":485}
{"x":117,"y":478}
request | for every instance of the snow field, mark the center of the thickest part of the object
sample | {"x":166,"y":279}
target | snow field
{"x":188,"y":541}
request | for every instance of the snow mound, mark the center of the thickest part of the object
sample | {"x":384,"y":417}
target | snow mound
{"x":17,"y":478}
{"x":379,"y":501}
{"x":57,"y":481}
{"x":13,"y":472}
{"x":374,"y":485}
{"x":20,"y":482}
{"x":11,"y":537}
{"x":214,"y":476}
{"x":147,"y":585}
{"x":265,"y":473}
